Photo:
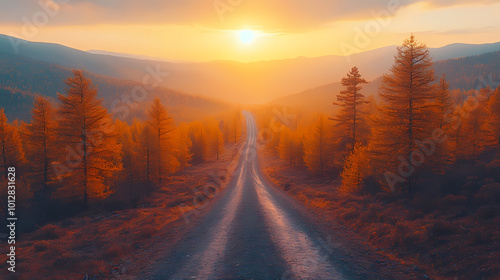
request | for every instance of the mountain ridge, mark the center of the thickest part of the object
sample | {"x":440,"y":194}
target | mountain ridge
{"x":253,"y":82}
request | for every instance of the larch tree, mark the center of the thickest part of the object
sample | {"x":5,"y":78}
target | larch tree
{"x":11,"y":149}
{"x":40,"y":138}
{"x":85,"y":130}
{"x":233,"y":127}
{"x":199,"y":148}
{"x":162,"y":125}
{"x":475,"y":134}
{"x":356,"y":168}
{"x":127,"y":149}
{"x":443,"y":154}
{"x":290,"y":147}
{"x":147,"y":146}
{"x":350,"y":118}
{"x":184,"y":144}
{"x":215,"y":137}
{"x":408,"y":111}
{"x":318,"y":155}
{"x":443,"y":101}
{"x":493,"y":124}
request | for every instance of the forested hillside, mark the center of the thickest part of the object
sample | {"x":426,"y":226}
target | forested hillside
{"x":471,"y":72}
{"x":21,"y":79}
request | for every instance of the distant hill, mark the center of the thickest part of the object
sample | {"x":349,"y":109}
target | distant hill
{"x":465,"y":73}
{"x":471,"y":72}
{"x":21,"y":79}
{"x":239,"y":82}
{"x":321,"y":98}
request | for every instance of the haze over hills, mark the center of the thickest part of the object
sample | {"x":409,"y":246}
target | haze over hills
{"x":466,"y":73}
{"x":254,"y":82}
{"x":21,"y":79}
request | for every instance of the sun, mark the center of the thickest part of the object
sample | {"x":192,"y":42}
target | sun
{"x":246,"y":36}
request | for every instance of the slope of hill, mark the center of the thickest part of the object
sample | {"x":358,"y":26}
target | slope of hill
{"x":253,"y":82}
{"x":472,"y":72}
{"x":321,"y":98}
{"x":21,"y":79}
{"x":465,"y":73}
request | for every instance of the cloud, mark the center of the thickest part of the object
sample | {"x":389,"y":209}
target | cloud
{"x":284,"y":15}
{"x":445,"y":3}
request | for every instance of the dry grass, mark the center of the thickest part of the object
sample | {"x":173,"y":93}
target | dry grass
{"x":97,"y":242}
{"x":445,"y":236}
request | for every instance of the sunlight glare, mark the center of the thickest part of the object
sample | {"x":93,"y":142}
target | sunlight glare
{"x":246,"y":36}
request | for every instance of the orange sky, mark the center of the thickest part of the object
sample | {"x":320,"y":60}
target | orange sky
{"x":202,"y":30}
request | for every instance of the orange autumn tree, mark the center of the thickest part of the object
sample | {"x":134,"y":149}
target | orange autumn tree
{"x":474,"y":118}
{"x":145,"y":150}
{"x":40,"y":138}
{"x":407,"y":113}
{"x":318,"y":148}
{"x":493,"y":124}
{"x":86,"y":133}
{"x":198,"y":135}
{"x":443,"y":102}
{"x":350,"y":119}
{"x":356,"y":168}
{"x":183,"y":145}
{"x":162,"y":125}
{"x":290,"y":146}
{"x":127,"y":150}
{"x":233,"y":127}
{"x":11,"y":149}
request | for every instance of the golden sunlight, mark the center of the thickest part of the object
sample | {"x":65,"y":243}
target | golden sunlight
{"x":246,"y":36}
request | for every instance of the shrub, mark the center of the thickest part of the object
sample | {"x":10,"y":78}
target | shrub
{"x":66,"y":261}
{"x":488,"y":194}
{"x":453,"y":201}
{"x":481,"y":236}
{"x":41,"y":246}
{"x":441,"y":228}
{"x":48,"y":232}
{"x":487,"y":212}
{"x":114,"y":251}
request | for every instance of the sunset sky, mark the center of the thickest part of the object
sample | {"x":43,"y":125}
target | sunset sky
{"x":203,"y":30}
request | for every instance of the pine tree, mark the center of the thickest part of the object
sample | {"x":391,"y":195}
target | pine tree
{"x":214,"y":137}
{"x":474,"y":125}
{"x":233,"y":127}
{"x":127,"y":150}
{"x":408,"y":111}
{"x":199,"y":148}
{"x":162,"y":125}
{"x":84,"y":129}
{"x":147,"y":146}
{"x":351,"y":118}
{"x":493,"y":124}
{"x":11,"y":150}
{"x":443,"y":154}
{"x":318,"y":155}
{"x":443,"y":101}
{"x":41,"y":141}
{"x":290,"y":147}
{"x":184,"y":145}
{"x":355,"y":169}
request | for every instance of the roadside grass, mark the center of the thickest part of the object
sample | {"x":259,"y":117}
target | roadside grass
{"x":95,"y":244}
{"x":451,"y":237}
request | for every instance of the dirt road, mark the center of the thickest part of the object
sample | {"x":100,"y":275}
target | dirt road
{"x":252,"y":230}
